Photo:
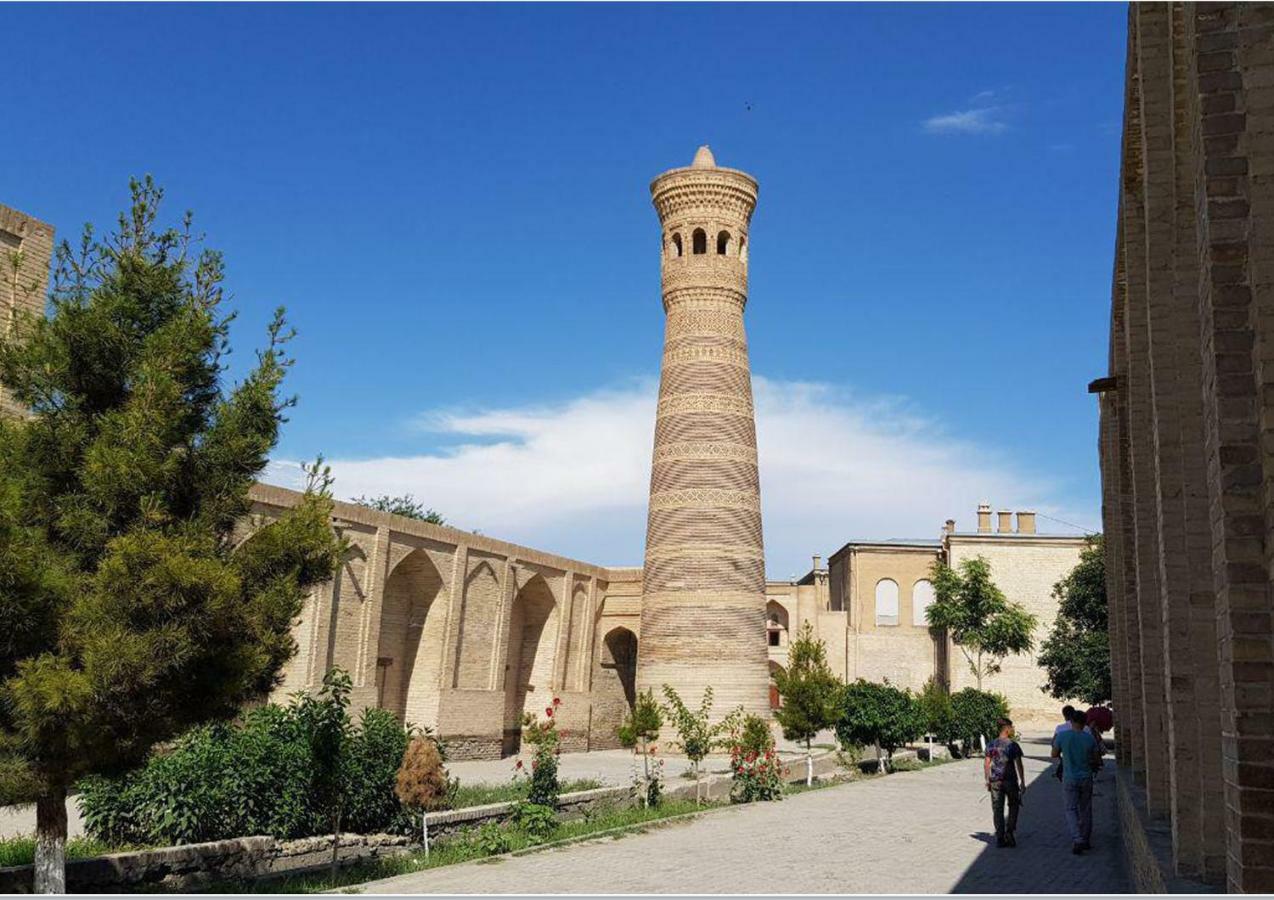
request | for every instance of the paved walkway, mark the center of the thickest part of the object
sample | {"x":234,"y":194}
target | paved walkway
{"x":913,"y":832}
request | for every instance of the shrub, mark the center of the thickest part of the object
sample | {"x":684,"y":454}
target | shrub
{"x":492,"y":838}
{"x":753,"y":735}
{"x":878,"y":714}
{"x":536,"y":821}
{"x":639,"y":729}
{"x":252,"y":777}
{"x":544,"y":740}
{"x":936,"y":712}
{"x":757,"y":776}
{"x":975,"y":714}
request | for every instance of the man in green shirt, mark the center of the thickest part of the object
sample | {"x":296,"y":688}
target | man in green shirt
{"x":1080,"y":757}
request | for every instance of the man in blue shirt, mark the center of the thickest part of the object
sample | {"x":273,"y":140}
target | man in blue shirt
{"x":1080,"y":757}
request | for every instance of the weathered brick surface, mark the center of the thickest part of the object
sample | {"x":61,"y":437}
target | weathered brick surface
{"x":26,"y":250}
{"x":1188,"y":433}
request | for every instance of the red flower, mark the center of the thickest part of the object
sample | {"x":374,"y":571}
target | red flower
{"x":653,"y":749}
{"x":534,"y":763}
{"x":548,"y":711}
{"x":557,"y":701}
{"x":740,"y":770}
{"x":519,"y":765}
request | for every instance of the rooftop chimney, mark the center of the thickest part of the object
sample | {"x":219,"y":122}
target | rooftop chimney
{"x":1026,"y":522}
{"x":1005,"y":523}
{"x":950,"y":526}
{"x":984,"y":518}
{"x":818,"y":561}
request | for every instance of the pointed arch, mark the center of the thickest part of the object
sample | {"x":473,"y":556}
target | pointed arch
{"x":532,"y":652}
{"x":475,"y":640}
{"x":699,"y":241}
{"x":409,"y":660}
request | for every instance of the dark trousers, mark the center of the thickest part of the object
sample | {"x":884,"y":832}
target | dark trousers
{"x":1079,"y":809}
{"x":1001,"y":792}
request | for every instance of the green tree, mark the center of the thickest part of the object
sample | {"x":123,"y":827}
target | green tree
{"x":878,"y":714}
{"x":325,"y":718}
{"x":1076,"y":654}
{"x":133,"y":606}
{"x":403,"y":505}
{"x":811,"y":693}
{"x":695,"y":729}
{"x":639,"y":729}
{"x":936,"y":711}
{"x":985,"y":625}
{"x":976,"y":715}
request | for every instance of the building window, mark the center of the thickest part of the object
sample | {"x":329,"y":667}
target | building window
{"x":774,"y":637}
{"x":676,"y":244}
{"x":700,"y":242}
{"x":921,"y":596}
{"x":723,"y":243}
{"x":886,"y":602}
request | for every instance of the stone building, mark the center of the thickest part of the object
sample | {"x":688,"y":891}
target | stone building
{"x":1187,"y":409}
{"x":26,"y":249}
{"x":869,"y":607}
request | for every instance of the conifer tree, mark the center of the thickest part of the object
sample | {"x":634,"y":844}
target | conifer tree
{"x":133,"y":605}
{"x":811,"y":693}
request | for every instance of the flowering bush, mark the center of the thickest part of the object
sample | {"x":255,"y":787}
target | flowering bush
{"x":648,"y":780}
{"x":544,"y":740}
{"x":757,"y":776}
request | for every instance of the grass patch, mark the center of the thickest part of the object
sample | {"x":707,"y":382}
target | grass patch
{"x":19,"y":850}
{"x":468,"y":795}
{"x":466,"y":847}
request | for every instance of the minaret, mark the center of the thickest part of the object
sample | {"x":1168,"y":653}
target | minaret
{"x":703,"y":603}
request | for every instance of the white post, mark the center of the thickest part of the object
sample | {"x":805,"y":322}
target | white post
{"x":424,"y":826}
{"x":809,"y":767}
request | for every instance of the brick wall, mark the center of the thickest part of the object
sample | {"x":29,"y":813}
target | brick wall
{"x":1187,"y":462}
{"x":23,"y":288}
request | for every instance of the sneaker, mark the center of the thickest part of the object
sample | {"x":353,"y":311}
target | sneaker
{"x":1077,"y":849}
{"x":1010,"y":840}
{"x":1085,"y":846}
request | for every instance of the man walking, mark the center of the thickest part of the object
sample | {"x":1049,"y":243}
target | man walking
{"x":1078,"y":752}
{"x":1006,"y":780}
{"x":1067,"y":712}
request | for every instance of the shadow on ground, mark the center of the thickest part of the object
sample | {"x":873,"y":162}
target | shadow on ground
{"x":1042,"y":862}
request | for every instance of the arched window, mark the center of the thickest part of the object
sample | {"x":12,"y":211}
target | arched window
{"x":723,"y":243}
{"x":676,"y":244}
{"x":700,"y":242}
{"x":886,"y":602}
{"x":743,"y":249}
{"x":921,"y":596}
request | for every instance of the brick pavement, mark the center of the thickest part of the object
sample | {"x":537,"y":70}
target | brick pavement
{"x":922,"y":832}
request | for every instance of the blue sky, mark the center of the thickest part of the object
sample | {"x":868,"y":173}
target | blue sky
{"x":452,"y":202}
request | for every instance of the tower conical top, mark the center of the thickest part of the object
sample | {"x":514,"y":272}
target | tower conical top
{"x":704,"y":159}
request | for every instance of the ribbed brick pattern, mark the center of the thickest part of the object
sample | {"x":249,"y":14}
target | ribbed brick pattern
{"x":703,"y":610}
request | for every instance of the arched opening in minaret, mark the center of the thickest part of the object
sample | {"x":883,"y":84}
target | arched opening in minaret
{"x":743,"y":249}
{"x":676,"y":244}
{"x":700,"y":242}
{"x":723,"y":243}
{"x":528,"y":671}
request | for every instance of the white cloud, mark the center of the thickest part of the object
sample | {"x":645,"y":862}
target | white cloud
{"x":573,"y":478}
{"x":980,"y":120}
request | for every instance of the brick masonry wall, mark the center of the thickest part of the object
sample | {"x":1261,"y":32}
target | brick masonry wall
{"x":1194,"y":255}
{"x":1025,"y":569}
{"x":22,"y":289}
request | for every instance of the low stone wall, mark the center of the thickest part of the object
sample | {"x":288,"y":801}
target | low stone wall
{"x":190,"y":865}
{"x":570,"y":806}
{"x":1148,"y":844}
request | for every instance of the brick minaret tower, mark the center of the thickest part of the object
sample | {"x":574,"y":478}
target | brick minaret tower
{"x":703,"y":604}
